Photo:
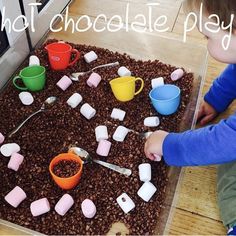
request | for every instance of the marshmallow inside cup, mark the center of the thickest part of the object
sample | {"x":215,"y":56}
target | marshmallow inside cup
{"x":15,"y":161}
{"x":152,"y":121}
{"x":90,"y":56}
{"x":88,"y":208}
{"x":157,"y":82}
{"x":101,"y":133}
{"x":123,"y":71}
{"x":87,"y":111}
{"x":146,"y":191}
{"x":40,"y":207}
{"x":15,"y":196}
{"x":26,"y":98}
{"x":34,"y":60}
{"x":125,"y":202}
{"x":74,"y":100}
{"x":177,"y":74}
{"x":145,"y":172}
{"x":2,"y":138}
{"x":120,"y":133}
{"x":103,"y":148}
{"x":64,"y":204}
{"x":118,"y":114}
{"x":8,"y":149}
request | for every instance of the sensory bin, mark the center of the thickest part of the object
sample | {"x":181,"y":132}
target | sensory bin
{"x":52,"y":132}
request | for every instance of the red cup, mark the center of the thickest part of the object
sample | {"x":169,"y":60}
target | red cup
{"x":59,"y":55}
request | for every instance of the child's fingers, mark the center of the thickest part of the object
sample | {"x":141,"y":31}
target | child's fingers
{"x":156,"y":157}
{"x":200,"y":114}
{"x":147,"y":153}
{"x":207,"y":119}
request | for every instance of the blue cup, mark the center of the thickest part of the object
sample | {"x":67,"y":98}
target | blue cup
{"x":165,"y":99}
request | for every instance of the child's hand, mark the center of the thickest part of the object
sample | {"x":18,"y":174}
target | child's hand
{"x":206,"y":113}
{"x":153,"y":145}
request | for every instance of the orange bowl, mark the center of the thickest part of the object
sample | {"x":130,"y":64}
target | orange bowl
{"x":69,"y":182}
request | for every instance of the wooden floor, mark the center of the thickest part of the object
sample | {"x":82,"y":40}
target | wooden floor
{"x":195,"y":211}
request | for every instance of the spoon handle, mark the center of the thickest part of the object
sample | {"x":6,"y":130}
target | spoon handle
{"x":116,"y":168}
{"x":19,"y":126}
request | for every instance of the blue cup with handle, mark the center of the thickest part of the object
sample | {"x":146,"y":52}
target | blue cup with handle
{"x":165,"y":99}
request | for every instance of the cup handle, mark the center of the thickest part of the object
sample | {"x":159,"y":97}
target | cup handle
{"x":76,"y":56}
{"x":142,"y":85}
{"x":17,"y":86}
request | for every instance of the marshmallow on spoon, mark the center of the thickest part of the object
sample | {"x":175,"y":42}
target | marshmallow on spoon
{"x":26,"y":98}
{"x":153,"y":121}
{"x":146,"y":191}
{"x":123,"y":71}
{"x":64,"y":204}
{"x":90,"y":56}
{"x":94,"y":80}
{"x":118,"y":114}
{"x":177,"y":74}
{"x":15,"y":196}
{"x":64,"y":83}
{"x":125,"y":202}
{"x":103,"y":148}
{"x":120,"y":133}
{"x":74,"y":100}
{"x":88,"y":208}
{"x":87,"y":111}
{"x":40,"y":207}
{"x":2,"y":138}
{"x":15,"y":161}
{"x":145,"y":172}
{"x":157,"y":82}
{"x":8,"y":149}
{"x":101,"y":132}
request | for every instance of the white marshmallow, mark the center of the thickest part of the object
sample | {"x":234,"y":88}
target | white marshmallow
{"x":15,"y":161}
{"x":8,"y":149}
{"x":118,"y":114}
{"x":153,"y":121}
{"x":15,"y":196}
{"x":120,"y":133}
{"x":26,"y":98}
{"x":64,"y":204}
{"x":90,"y":56}
{"x":145,"y":172}
{"x":157,"y":82}
{"x":177,"y":74}
{"x":34,"y":60}
{"x":125,"y":202}
{"x":74,"y":100}
{"x":146,"y":191}
{"x":88,"y":208}
{"x":103,"y":148}
{"x":40,"y":207}
{"x":2,"y":138}
{"x":101,"y":132}
{"x":123,"y":71}
{"x":87,"y":111}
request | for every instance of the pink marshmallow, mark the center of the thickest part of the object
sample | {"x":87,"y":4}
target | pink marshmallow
{"x":64,"y":82}
{"x":94,"y":80}
{"x":40,"y":207}
{"x":64,"y":204}
{"x":15,"y":161}
{"x":103,"y":148}
{"x":15,"y":197}
{"x":2,"y":138}
{"x":177,"y":74}
{"x":88,"y":208}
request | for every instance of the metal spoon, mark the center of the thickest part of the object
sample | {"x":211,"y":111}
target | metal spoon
{"x":75,"y":76}
{"x":48,"y":101}
{"x":84,"y":155}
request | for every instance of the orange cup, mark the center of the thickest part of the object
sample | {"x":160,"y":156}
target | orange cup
{"x":70,"y":182}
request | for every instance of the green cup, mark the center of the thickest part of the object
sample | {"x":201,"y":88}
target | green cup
{"x":33,"y":77}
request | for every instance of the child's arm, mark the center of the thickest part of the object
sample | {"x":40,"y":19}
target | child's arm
{"x":214,"y":144}
{"x":223,"y":90}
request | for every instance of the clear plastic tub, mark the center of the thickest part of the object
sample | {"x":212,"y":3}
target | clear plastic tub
{"x":149,"y":46}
